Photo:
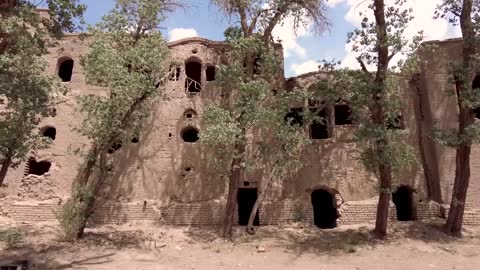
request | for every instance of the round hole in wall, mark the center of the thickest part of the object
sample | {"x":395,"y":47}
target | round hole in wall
{"x":189,"y":134}
{"x":190,"y":113}
{"x":194,"y":51}
{"x":170,"y":135}
{"x":49,"y":131}
{"x":187,"y":169}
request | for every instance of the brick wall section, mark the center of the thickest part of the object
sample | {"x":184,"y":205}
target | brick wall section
{"x":274,"y":212}
{"x":351,"y":213}
{"x":471,"y":216}
{"x":211,"y":213}
{"x":123,"y":213}
{"x":32,"y":212}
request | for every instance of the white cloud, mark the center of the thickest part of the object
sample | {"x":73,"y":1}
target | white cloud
{"x":333,"y":3}
{"x":289,"y":38}
{"x":179,"y":33}
{"x":423,"y":11}
{"x":305,"y":67}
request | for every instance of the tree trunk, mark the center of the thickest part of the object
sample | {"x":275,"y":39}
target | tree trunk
{"x":234,"y":182}
{"x":459,"y":194}
{"x":383,"y":206}
{"x":3,"y":171}
{"x":83,"y":181}
{"x":463,"y":85}
{"x":258,"y":202}
{"x":84,"y":218}
{"x":377,"y":114}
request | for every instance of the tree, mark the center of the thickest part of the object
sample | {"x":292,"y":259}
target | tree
{"x":130,"y":59}
{"x":257,"y":19}
{"x":467,"y":14}
{"x":26,"y":91}
{"x":254,"y":118}
{"x":375,"y":98}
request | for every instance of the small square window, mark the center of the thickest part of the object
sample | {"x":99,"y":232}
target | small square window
{"x":319,"y":128}
{"x":343,"y":115}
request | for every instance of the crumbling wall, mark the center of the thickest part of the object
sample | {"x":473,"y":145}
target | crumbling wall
{"x":441,"y":103}
{"x":163,"y":179}
{"x":58,"y":180}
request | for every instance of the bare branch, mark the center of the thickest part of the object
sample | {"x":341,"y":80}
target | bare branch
{"x":362,"y":65}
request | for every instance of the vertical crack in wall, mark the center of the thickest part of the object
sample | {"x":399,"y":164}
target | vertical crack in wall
{"x":423,"y":118}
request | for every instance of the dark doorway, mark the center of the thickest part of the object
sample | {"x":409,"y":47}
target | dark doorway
{"x":193,"y":71}
{"x":38,"y":168}
{"x":324,"y":209}
{"x":65,"y":69}
{"x":403,"y":200}
{"x":189,"y":134}
{"x":50,"y":132}
{"x":246,"y":199}
{"x":476,"y":86}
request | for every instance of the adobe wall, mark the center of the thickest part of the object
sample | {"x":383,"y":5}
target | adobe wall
{"x":165,"y":180}
{"x":439,"y":105}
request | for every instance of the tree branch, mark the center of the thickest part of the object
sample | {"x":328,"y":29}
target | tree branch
{"x":455,"y":13}
{"x":363,"y":66}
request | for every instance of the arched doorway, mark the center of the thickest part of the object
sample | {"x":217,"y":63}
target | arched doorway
{"x":403,"y":200}
{"x":324,"y":209}
{"x":193,"y":71}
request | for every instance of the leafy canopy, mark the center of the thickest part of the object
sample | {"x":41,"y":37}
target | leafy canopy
{"x":250,"y":114}
{"x":129,"y":58}
{"x":375,"y":97}
{"x":25,"y":90}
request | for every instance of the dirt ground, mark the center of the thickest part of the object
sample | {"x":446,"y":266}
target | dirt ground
{"x":411,"y":245}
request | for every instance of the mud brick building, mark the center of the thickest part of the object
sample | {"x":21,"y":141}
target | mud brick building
{"x":161,"y":176}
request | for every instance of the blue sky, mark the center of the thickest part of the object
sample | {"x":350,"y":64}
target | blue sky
{"x":302,"y":51}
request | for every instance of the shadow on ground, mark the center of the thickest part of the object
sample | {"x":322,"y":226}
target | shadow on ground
{"x":44,"y":249}
{"x":300,"y":238}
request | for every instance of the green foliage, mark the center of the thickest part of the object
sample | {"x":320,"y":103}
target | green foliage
{"x":452,"y":9}
{"x":375,"y":98}
{"x":252,"y":109}
{"x":27,"y":93}
{"x":268,"y":13}
{"x":11,"y":237}
{"x":355,"y":87}
{"x":461,"y":74}
{"x":129,"y":59}
{"x":73,"y":214}
{"x":131,"y":64}
{"x":233,"y":33}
